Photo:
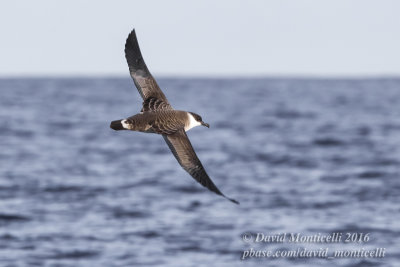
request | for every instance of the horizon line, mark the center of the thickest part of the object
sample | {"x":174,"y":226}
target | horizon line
{"x":206,"y":76}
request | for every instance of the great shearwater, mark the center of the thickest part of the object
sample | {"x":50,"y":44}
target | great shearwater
{"x":158,"y":116}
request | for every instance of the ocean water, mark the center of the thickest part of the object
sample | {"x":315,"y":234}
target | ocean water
{"x":314,"y":157}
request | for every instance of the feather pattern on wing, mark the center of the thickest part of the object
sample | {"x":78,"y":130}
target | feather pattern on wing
{"x":154,"y":104}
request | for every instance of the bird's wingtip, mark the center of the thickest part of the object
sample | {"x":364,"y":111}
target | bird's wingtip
{"x":132,"y":34}
{"x":233,"y":200}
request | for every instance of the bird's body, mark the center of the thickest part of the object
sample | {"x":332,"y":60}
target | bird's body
{"x":160,"y":122}
{"x":157,"y":116}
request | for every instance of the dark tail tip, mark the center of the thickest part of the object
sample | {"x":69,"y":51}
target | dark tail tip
{"x":117,"y":125}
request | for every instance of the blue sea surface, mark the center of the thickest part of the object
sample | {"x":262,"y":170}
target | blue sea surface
{"x":308,"y":156}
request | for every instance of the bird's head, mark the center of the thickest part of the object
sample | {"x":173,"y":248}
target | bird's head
{"x":196,"y":120}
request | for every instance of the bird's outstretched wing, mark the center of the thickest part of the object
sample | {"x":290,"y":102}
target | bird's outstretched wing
{"x":183,"y":151}
{"x":144,"y":81}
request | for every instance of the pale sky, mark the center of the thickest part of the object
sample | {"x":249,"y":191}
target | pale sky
{"x":202,"y":38}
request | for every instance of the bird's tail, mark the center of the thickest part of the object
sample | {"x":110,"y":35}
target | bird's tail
{"x":118,"y":125}
{"x":135,"y":123}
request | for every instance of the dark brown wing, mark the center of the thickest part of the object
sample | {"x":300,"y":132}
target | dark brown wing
{"x":144,"y":81}
{"x":183,"y":151}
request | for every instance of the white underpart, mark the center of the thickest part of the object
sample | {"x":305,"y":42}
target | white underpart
{"x":124,"y":124}
{"x":192,"y":122}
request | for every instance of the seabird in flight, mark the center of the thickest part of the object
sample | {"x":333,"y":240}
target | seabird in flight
{"x":158,"y":116}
